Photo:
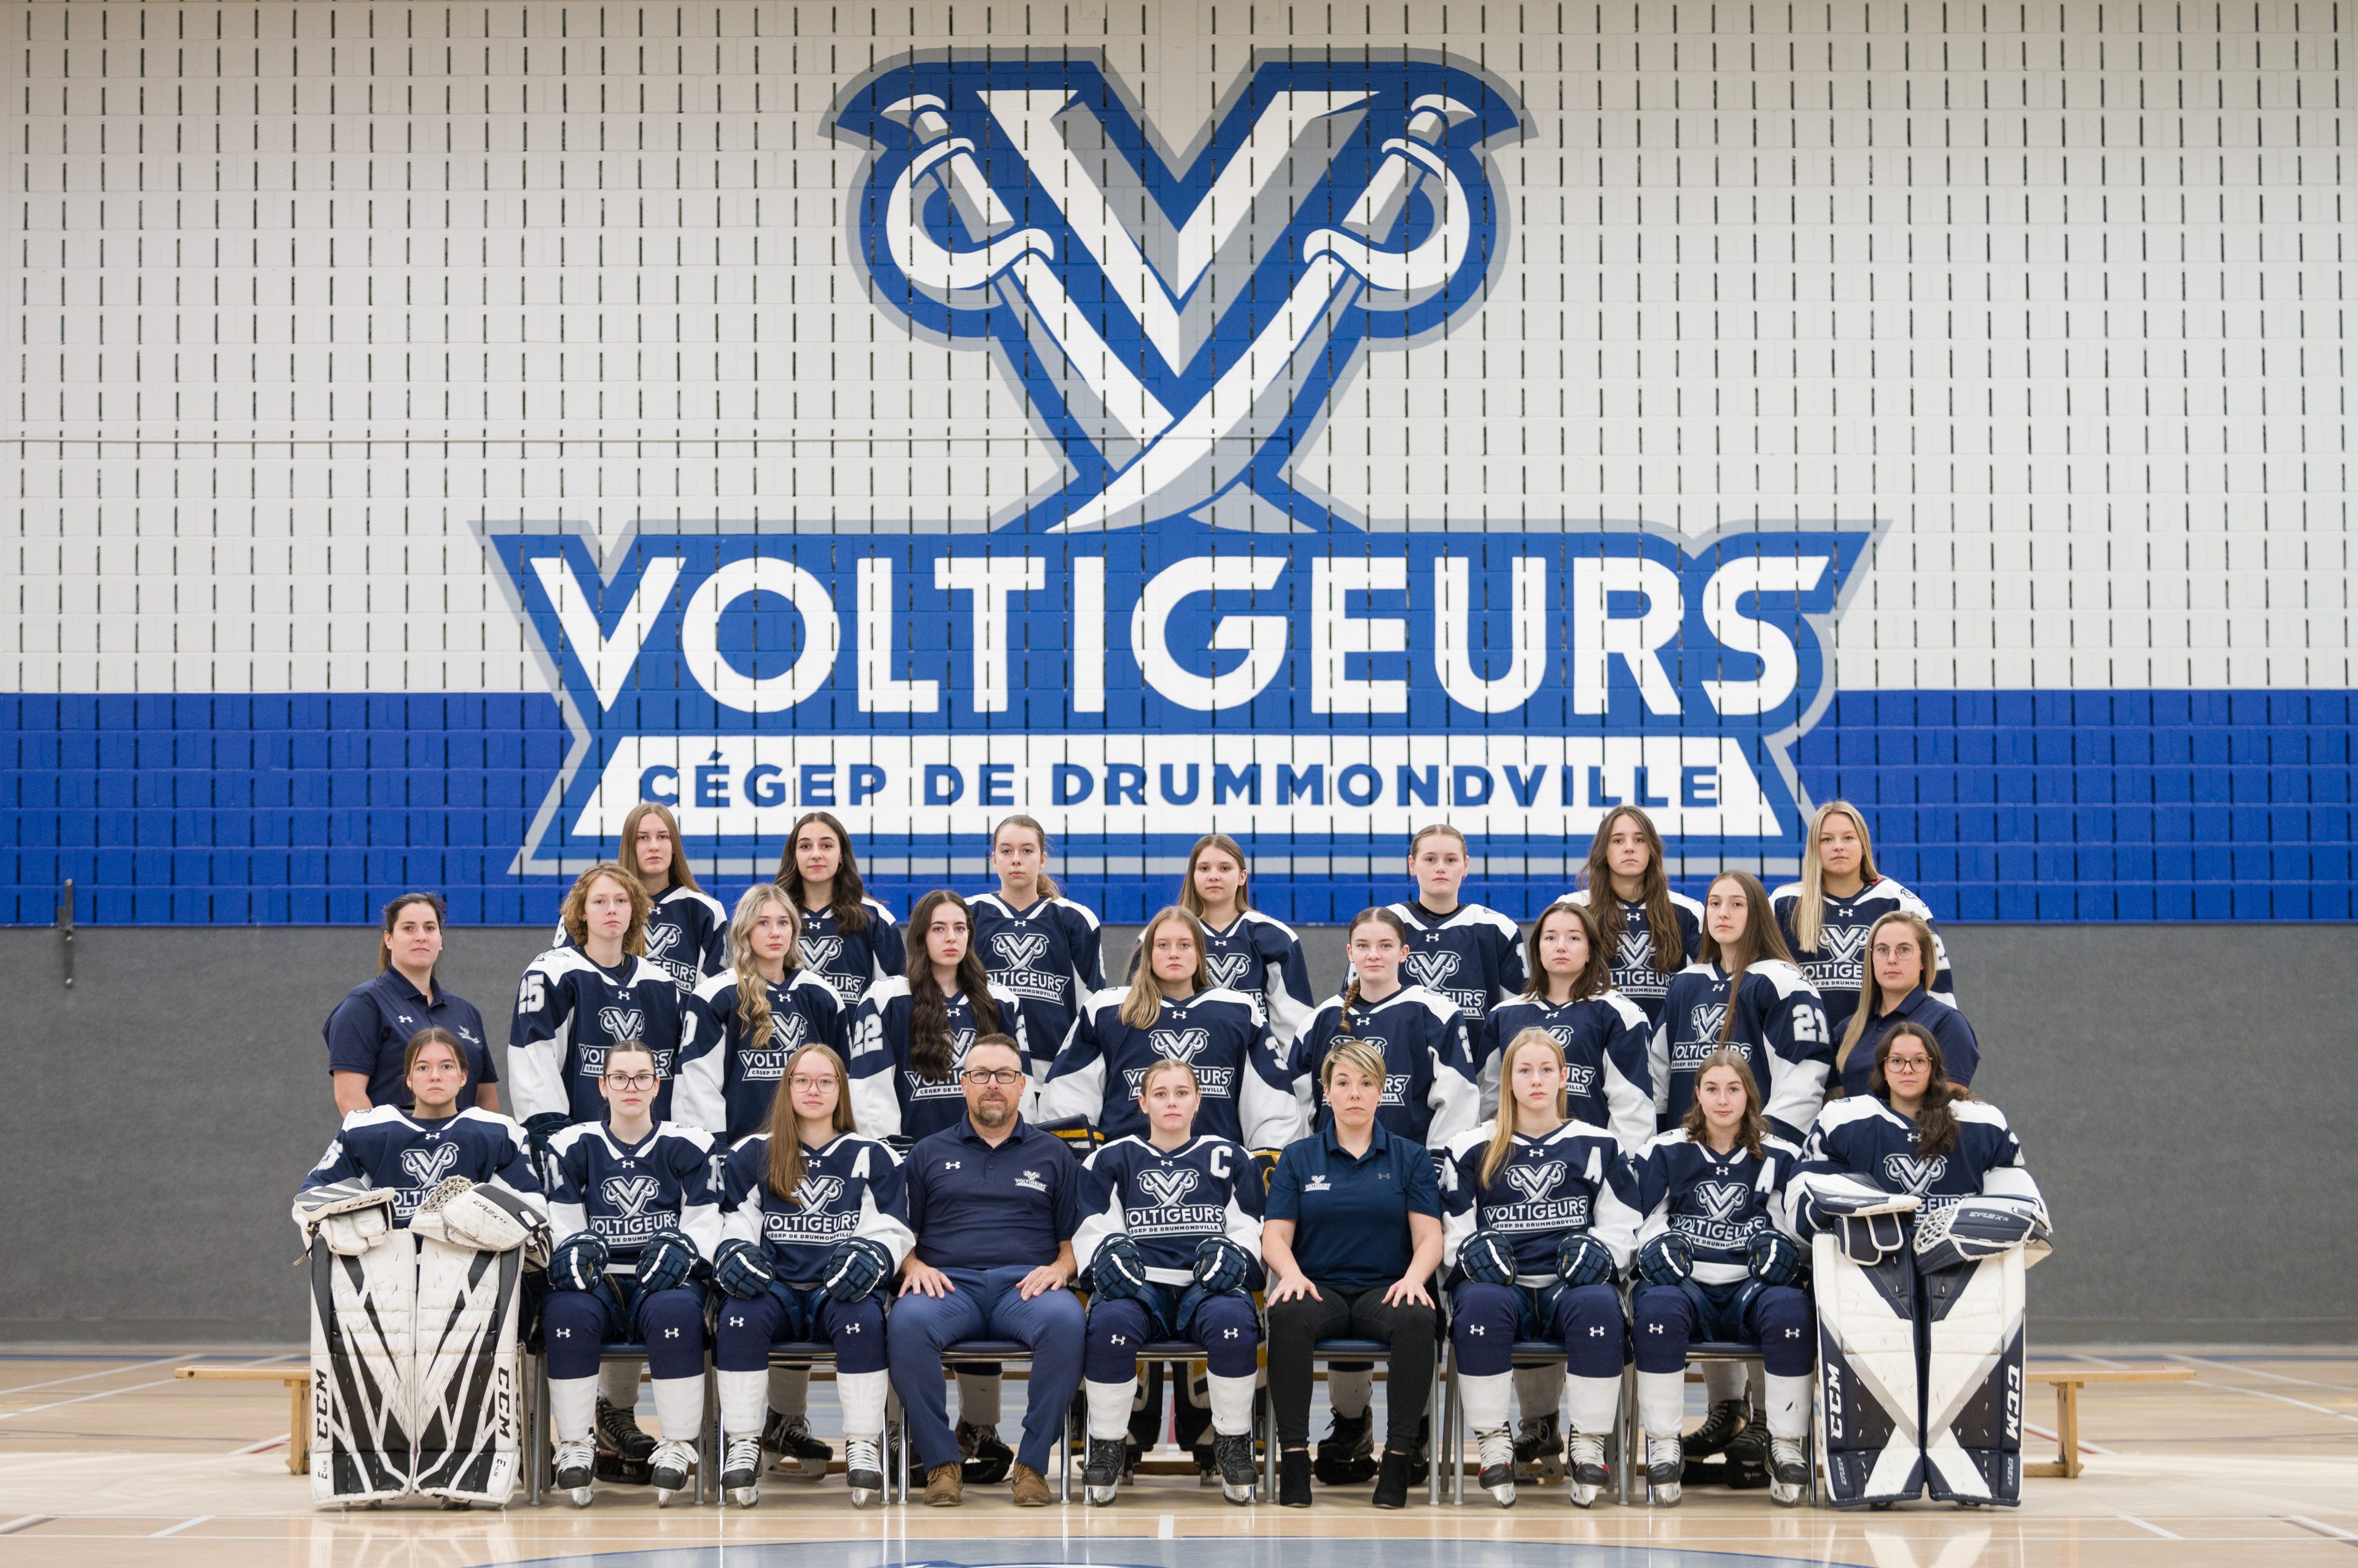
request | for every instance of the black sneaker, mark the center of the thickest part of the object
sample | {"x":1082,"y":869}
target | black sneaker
{"x":986,"y":1460}
{"x":1293,"y":1479}
{"x":618,"y":1433}
{"x":1237,"y":1470}
{"x":1346,"y":1454}
{"x":1391,"y":1480}
{"x":1721,"y":1426}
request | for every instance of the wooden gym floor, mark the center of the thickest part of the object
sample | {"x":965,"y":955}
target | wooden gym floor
{"x":108,"y":1461}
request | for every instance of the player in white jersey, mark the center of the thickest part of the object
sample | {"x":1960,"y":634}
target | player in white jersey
{"x":1827,"y":914}
{"x":1245,"y":950}
{"x":1628,"y":890}
{"x":848,"y":938}
{"x":1469,"y":953}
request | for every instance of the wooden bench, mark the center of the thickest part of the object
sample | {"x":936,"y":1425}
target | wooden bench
{"x":298,"y":1403}
{"x":2068,"y":1382}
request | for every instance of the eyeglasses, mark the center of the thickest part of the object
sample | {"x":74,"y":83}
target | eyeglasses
{"x":1002,"y":1075}
{"x":632,"y":1080}
{"x":1908,"y":1064}
{"x":800,"y":1082}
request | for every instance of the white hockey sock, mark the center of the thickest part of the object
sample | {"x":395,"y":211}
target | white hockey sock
{"x":740,"y":1403}
{"x":618,"y":1381}
{"x":1789,"y":1407}
{"x":1110,"y":1408}
{"x":1350,"y":1393}
{"x":1485,"y":1399}
{"x":679,"y":1407}
{"x":573,"y":1408}
{"x":978,"y":1399}
{"x":1662,"y":1401}
{"x":1535,"y":1392}
{"x":1231,"y":1400}
{"x":790,"y":1391}
{"x":862,"y":1395}
{"x":1724,"y":1380}
{"x":1593,"y":1403}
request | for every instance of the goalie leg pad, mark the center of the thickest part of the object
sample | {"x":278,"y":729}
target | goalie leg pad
{"x":670,"y":1324}
{"x":1973,"y":1380}
{"x":469,"y":1425}
{"x":1869,"y":1395}
{"x":362,"y":1308}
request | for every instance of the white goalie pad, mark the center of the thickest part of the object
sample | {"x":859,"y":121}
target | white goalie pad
{"x":363,"y":1333}
{"x":1869,"y":1393}
{"x":1973,"y":1380}
{"x":468,"y":1423}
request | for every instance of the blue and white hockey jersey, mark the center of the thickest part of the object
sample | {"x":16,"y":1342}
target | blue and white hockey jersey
{"x":1472,"y":955}
{"x":887,"y":1095}
{"x":1549,"y":1188}
{"x":1608,"y":1080}
{"x":1261,"y":958}
{"x":1634,"y":974}
{"x":386,"y":1147}
{"x":687,"y":936}
{"x":851,"y":961}
{"x":1169,"y":1203}
{"x":1050,"y":954}
{"x":854,"y":1187}
{"x":1781,"y":1027}
{"x":1247,"y":1096}
{"x":627,"y":1193}
{"x":568,"y":1011}
{"x":1430,"y":1095}
{"x":1837,"y":965}
{"x":730,"y":1082}
{"x":1865,"y":1138}
{"x":1718,"y":1202}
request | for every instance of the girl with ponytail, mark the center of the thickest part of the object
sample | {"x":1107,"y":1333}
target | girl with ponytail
{"x":747,"y":1022}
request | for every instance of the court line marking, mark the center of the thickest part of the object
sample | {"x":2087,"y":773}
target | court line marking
{"x":266,"y":1442}
{"x":2232,"y":1389}
{"x":26,"y":1522}
{"x":127,"y":1388}
{"x":80,"y":1376}
{"x":188,"y":1523}
{"x":2085,"y":1446}
{"x":1166,"y":1528}
{"x":2256,"y":1372}
{"x":2320,"y":1528}
{"x":2147,"y":1524}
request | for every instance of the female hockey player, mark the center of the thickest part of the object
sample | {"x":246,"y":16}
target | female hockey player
{"x":1171,"y":1249}
{"x":1826,"y":914}
{"x":1172,"y":1011}
{"x":1715,"y":1262}
{"x":1922,"y":1188}
{"x":1745,"y":995}
{"x":368,"y":1034}
{"x":1035,"y":942}
{"x":1350,"y":1241}
{"x":1629,"y":889}
{"x":745,"y":1023}
{"x":1537,"y":1235}
{"x":635,"y":1220}
{"x":1471,"y":955}
{"x":1602,"y":1033}
{"x":1245,"y":950}
{"x":817,"y":1222}
{"x":413,"y":1151}
{"x":848,"y":938}
{"x":686,"y":927}
{"x":1897,"y":989}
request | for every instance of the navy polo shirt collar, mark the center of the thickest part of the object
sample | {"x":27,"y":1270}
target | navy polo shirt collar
{"x":1375,"y":1145}
{"x":1907,"y":1005}
{"x":395,"y":981}
{"x":1022,"y":1130}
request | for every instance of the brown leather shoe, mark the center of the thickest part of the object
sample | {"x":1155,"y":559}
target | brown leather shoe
{"x":1032,"y":1489}
{"x":944,"y":1488}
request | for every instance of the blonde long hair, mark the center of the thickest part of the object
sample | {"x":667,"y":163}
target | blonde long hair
{"x":1143,"y":1003}
{"x":574,"y":915}
{"x":786,"y":1126}
{"x":1870,"y":989}
{"x":753,"y":991}
{"x":1502,"y":1138}
{"x":1810,"y":909}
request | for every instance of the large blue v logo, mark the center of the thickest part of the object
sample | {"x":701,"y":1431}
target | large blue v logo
{"x":1178,"y":331}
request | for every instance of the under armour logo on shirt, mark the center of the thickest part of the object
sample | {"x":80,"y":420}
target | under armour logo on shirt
{"x":950,"y":1164}
{"x":1121,"y":1339}
{"x":1476,"y":1328}
{"x":1595,"y":1334}
{"x":564,"y":1334}
{"x":671,"y":1334}
{"x":1653,"y":1329}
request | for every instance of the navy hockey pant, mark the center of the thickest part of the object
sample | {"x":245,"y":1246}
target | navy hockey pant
{"x":1668,"y":1318}
{"x":1586,"y":1320}
{"x":576,"y":1325}
{"x":985,"y":1306}
{"x":1226,"y":1327}
{"x":750,"y":1326}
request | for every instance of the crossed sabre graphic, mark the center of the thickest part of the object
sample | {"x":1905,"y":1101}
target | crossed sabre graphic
{"x":1176,"y":468}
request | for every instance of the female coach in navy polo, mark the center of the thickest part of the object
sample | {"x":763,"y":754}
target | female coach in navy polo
{"x":371,"y":1027}
{"x":1351,"y":1239}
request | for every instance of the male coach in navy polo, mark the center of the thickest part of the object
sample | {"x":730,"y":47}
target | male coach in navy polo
{"x":994,"y":1202}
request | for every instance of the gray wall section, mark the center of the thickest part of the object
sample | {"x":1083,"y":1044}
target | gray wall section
{"x":2175,"y":1087}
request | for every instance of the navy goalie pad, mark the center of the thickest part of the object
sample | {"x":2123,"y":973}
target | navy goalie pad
{"x":1973,"y":1379}
{"x":1870,"y":1390}
{"x":1971,"y":1229}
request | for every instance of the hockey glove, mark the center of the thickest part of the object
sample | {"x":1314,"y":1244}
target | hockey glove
{"x":665,"y":1263}
{"x":1486,"y":1258}
{"x":537,"y":1131}
{"x":1583,"y":1260}
{"x":485,"y":1217}
{"x":743,"y":1271}
{"x":1870,"y":1239}
{"x":1117,"y":1271}
{"x":1666,"y":1259}
{"x":579,"y":1263}
{"x":855,"y":1267}
{"x":1221,"y":1265}
{"x":1822,"y":1202}
{"x":1773,"y":1259}
{"x":1977,"y":1228}
{"x":350,"y":1217}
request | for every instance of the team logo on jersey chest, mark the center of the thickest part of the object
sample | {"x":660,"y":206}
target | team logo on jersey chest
{"x":628,"y":1215}
{"x":961,"y":1042}
{"x":1535,"y":1181}
{"x":628,"y":1196}
{"x":622,"y":1022}
{"x":1543,"y":1205}
{"x":1431,"y":971}
{"x":817,"y":1193}
{"x":1168,"y":1186}
{"x":820,"y":952}
{"x":1229,"y":971}
{"x":429,"y":1166}
{"x":1168,"y":1212}
{"x":1020,"y":955}
{"x":661,"y":940}
{"x":1913,"y":1175}
{"x":1187,"y":1045}
{"x":1711,"y":1216}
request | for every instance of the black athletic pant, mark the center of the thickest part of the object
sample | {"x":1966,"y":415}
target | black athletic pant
{"x":1295,"y":1327}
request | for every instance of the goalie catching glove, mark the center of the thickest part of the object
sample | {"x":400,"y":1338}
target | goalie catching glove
{"x":1977,"y":1228}
{"x":1871,"y":1223}
{"x":483,"y":1217}
{"x":350,"y":1216}
{"x":742,"y":1269}
{"x":855,"y":1268}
